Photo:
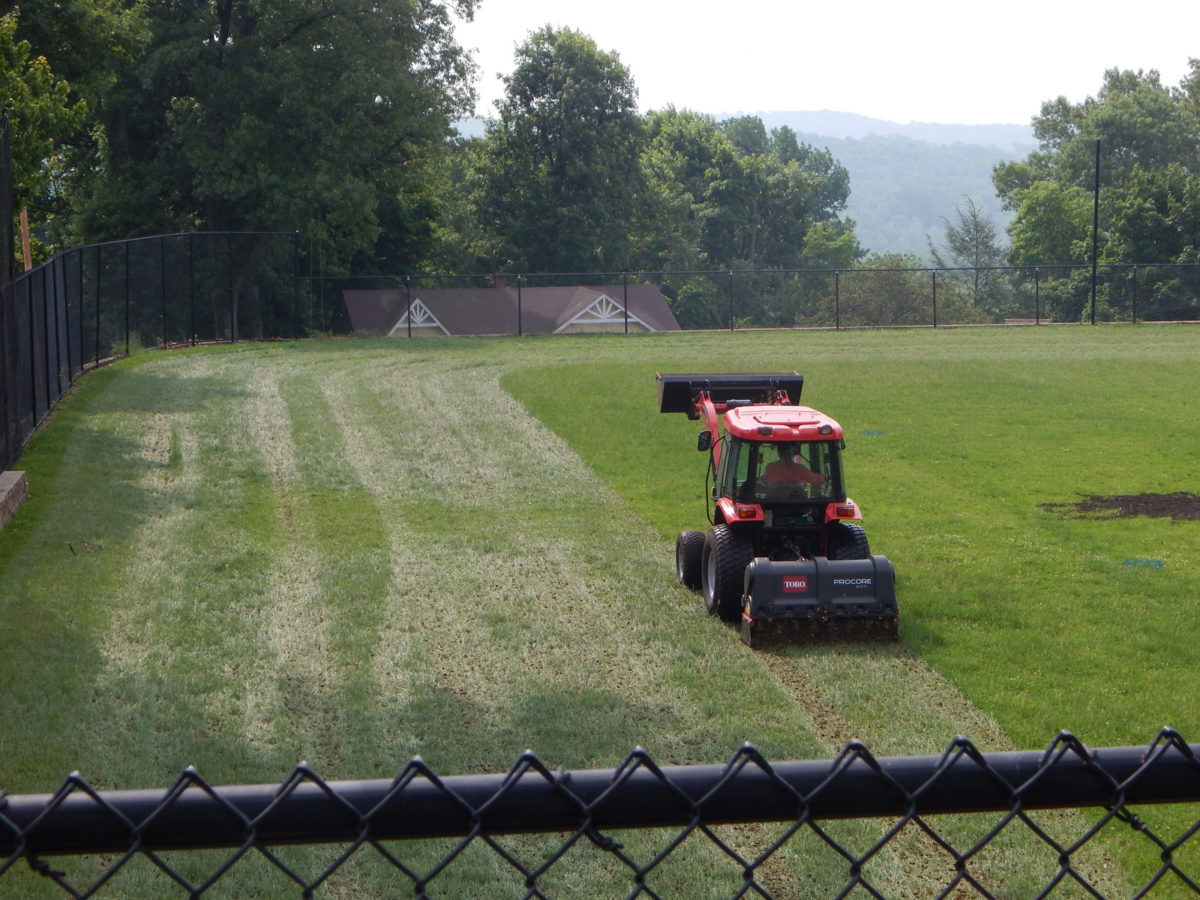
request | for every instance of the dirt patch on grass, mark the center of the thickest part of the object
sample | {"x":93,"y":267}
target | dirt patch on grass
{"x":1180,"y":506}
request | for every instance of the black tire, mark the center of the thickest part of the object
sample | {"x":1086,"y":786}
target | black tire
{"x":723,"y":569}
{"x":689,"y":556}
{"x":847,"y":540}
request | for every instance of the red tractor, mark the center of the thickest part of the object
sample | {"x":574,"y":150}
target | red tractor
{"x":786,"y":554}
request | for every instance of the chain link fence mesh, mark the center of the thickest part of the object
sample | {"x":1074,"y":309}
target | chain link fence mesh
{"x":1068,"y":821}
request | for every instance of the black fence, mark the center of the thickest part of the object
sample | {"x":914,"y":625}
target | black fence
{"x":915,"y":826}
{"x":752,"y":299}
{"x":99,"y":301}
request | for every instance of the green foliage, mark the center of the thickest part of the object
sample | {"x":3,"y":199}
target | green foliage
{"x":893,"y":290}
{"x":780,"y":190}
{"x":42,"y":112}
{"x":686,"y":162}
{"x":87,"y":41}
{"x":562,"y":176}
{"x":276,"y":116}
{"x":1149,"y":166}
{"x":972,"y":243}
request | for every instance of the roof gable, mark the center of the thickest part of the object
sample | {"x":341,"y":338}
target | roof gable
{"x":417,"y":315}
{"x":508,"y":310}
{"x":604,"y":310}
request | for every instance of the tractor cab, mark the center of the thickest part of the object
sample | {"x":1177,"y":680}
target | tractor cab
{"x":780,"y":468}
{"x":777,"y":472}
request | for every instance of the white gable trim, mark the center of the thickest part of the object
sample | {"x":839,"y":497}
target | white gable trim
{"x":422,"y":317}
{"x":604,"y":310}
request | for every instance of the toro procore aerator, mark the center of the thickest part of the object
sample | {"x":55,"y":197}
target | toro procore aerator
{"x":786,"y":554}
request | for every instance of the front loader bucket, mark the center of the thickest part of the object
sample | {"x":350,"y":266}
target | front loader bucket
{"x":802,"y":600}
{"x":678,"y":392}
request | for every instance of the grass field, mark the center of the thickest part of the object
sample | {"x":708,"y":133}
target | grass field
{"x":353,"y":552}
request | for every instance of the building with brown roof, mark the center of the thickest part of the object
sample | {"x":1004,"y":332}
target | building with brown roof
{"x":612,"y":309}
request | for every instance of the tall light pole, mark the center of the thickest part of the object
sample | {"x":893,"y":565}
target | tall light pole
{"x":1095,"y":229}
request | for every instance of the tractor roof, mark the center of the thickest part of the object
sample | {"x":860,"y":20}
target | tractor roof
{"x":780,"y":423}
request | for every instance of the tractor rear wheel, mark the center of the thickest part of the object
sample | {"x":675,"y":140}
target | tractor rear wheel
{"x":723,"y":569}
{"x":689,"y":554}
{"x":847,"y":540}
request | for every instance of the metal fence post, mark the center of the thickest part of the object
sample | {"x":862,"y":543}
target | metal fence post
{"x":79,"y":267}
{"x":296,"y":284}
{"x":731,"y":300}
{"x":162,"y":284}
{"x":99,"y":270}
{"x":1133,"y":294}
{"x":1095,"y":229}
{"x":191,"y":254}
{"x":625,"y":298}
{"x":1037,"y":296}
{"x":837,"y":299}
{"x":126,"y":298}
{"x":408,"y":303}
{"x":933,"y":276}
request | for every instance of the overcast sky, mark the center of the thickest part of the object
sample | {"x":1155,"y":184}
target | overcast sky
{"x":945,"y":61}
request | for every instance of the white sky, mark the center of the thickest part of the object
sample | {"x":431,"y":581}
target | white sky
{"x":945,"y":61}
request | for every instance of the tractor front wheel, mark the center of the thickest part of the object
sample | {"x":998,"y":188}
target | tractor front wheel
{"x":723,"y":569}
{"x":689,"y":554}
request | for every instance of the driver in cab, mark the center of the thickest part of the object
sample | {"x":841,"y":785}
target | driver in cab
{"x":790,"y":468}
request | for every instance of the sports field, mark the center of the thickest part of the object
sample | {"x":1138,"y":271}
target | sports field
{"x":354,"y":552}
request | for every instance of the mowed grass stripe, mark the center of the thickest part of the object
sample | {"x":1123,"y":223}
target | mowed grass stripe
{"x":504,"y":569}
{"x":515,"y":635}
{"x":513,"y":596}
{"x":529,"y":645}
{"x":185,"y":650}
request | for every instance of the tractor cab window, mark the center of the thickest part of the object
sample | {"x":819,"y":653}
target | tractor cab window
{"x":736,"y":477}
{"x":798,"y":470}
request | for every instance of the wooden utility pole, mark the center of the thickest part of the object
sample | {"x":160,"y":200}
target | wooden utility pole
{"x":26,"y":249}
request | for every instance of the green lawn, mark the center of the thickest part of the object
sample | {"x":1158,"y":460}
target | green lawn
{"x":353,"y":552}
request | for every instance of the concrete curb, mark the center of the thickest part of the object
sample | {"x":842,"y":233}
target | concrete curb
{"x":14,"y":491}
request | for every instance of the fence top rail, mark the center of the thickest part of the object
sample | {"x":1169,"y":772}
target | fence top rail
{"x":57,"y":258}
{"x":638,"y":794}
{"x":520,"y":278}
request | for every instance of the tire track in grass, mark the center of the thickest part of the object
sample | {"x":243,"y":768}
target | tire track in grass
{"x":294,"y":632}
{"x":327,"y":630}
{"x":897,"y":705}
{"x":176,"y":650}
{"x":470,"y":570}
{"x":520,"y":636}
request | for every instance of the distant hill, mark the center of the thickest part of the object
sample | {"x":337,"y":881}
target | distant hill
{"x":904,"y":179}
{"x":1012,"y":138}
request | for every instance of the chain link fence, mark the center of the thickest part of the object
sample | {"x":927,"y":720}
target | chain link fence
{"x":965,"y":823}
{"x":99,"y":301}
{"x":96,"y":302}
{"x":818,"y":298}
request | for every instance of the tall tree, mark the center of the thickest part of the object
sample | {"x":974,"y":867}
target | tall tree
{"x":308,"y":115}
{"x":43,"y":116}
{"x":1149,"y":139}
{"x":563,"y":176}
{"x":686,"y":157}
{"x":784,"y":190}
{"x":85,"y":41}
{"x":972,"y":251}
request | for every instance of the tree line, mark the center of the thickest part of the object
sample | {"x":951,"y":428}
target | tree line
{"x":335,"y":119}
